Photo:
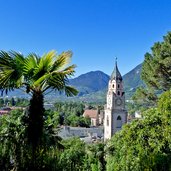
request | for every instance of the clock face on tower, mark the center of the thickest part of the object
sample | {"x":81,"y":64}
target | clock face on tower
{"x":118,"y":102}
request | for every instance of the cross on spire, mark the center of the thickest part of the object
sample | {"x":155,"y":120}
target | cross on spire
{"x":116,"y":59}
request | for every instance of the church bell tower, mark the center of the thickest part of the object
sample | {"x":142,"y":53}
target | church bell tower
{"x":115,"y":112}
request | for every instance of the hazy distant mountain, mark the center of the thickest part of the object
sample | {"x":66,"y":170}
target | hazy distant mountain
{"x":90,"y":82}
{"x":132,"y":80}
{"x":92,"y":86}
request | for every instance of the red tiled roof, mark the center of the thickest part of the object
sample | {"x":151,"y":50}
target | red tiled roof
{"x":2,"y":112}
{"x":90,"y":113}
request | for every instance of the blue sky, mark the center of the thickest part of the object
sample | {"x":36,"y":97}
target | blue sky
{"x":95,"y":30}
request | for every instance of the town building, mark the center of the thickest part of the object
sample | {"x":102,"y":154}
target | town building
{"x":138,"y":115}
{"x":115,"y":112}
{"x":88,"y":135}
{"x":96,"y":116}
{"x":93,"y":115}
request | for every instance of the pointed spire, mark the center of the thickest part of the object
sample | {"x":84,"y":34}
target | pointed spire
{"x":116,"y":74}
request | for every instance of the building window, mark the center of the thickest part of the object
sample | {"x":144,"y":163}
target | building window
{"x":118,"y":93}
{"x":107,"y":120}
{"x":119,"y":122}
{"x":113,"y":85}
{"x":118,"y":86}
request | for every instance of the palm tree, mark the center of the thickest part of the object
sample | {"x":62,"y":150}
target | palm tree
{"x":37,"y":76}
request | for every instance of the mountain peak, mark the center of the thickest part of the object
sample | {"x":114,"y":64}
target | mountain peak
{"x":94,"y":81}
{"x":92,"y":85}
{"x":90,"y":82}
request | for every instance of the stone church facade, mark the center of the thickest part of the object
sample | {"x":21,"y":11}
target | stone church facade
{"x":115,"y":112}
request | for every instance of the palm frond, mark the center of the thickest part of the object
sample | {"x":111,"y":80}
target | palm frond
{"x":5,"y":60}
{"x":35,"y":73}
{"x":5,"y":77}
{"x":30,"y":64}
{"x":44,"y":64}
{"x":42,"y":80}
{"x":62,"y":61}
{"x":70,"y":91}
{"x":47,"y":58}
{"x":69,"y":70}
{"x":64,"y":74}
{"x":59,"y":82}
{"x":11,"y":67}
{"x":19,"y":58}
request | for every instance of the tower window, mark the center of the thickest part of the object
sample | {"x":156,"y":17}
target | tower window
{"x":118,"y":86}
{"x":119,"y":122}
{"x":113,"y":86}
{"x":107,"y":120}
{"x":118,"y":93}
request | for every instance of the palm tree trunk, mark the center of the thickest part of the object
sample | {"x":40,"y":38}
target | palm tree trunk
{"x":35,"y":125}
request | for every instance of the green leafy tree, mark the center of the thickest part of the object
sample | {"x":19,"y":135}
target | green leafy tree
{"x":21,"y":102}
{"x":144,"y":144}
{"x":15,"y":154}
{"x":72,"y":158}
{"x":12,"y":141}
{"x":95,"y":158}
{"x":37,"y":75}
{"x":1,"y":102}
{"x":156,"y":71}
{"x":143,"y":99}
{"x":71,"y":114}
{"x":13,"y":103}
